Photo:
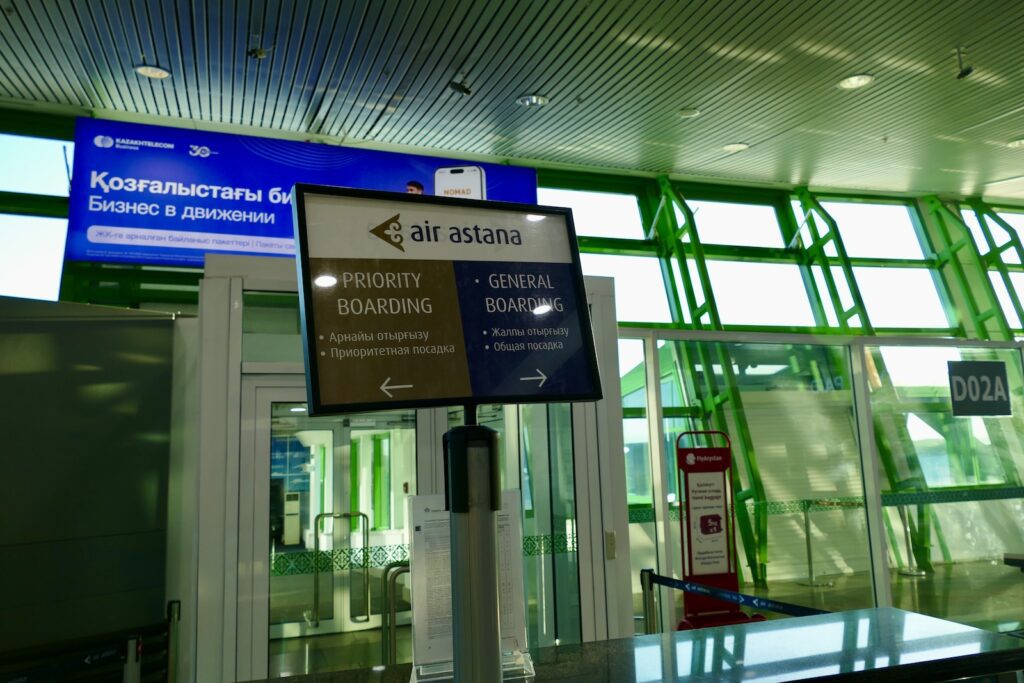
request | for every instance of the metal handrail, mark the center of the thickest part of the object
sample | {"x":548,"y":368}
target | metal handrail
{"x":385,"y":615}
{"x":317,"y":528}
{"x":389,"y":616}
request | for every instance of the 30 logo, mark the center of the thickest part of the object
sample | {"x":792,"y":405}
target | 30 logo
{"x":201,"y":151}
{"x":391,"y":232}
{"x":104,"y":141}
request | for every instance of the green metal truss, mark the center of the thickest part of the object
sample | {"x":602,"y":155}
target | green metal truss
{"x":964,"y":271}
{"x":821,"y":251}
{"x":994,"y":258}
{"x":824,"y":253}
{"x":698,"y":361}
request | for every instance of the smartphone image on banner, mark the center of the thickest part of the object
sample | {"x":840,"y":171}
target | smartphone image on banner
{"x":460,"y":181}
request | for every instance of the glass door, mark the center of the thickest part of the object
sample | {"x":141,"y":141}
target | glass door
{"x":536,"y":457}
{"x":329,"y":498}
{"x":336,"y":519}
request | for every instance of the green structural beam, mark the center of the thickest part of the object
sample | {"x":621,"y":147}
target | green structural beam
{"x":822,"y":251}
{"x":995,"y":257}
{"x":963,"y":269}
{"x":695,"y":366}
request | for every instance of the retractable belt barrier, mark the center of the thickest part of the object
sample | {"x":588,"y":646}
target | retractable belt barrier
{"x":736,"y":598}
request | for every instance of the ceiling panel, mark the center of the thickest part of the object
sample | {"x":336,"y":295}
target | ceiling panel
{"x":763,"y":72}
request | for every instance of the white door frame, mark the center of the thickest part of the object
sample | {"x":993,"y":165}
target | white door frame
{"x":232,"y":553}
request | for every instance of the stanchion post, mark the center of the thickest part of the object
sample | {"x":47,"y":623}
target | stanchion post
{"x":647,"y":594}
{"x":173,"y":630}
{"x":811,"y":581}
{"x":473,"y":497}
{"x":911,"y":568}
{"x":132,"y":671}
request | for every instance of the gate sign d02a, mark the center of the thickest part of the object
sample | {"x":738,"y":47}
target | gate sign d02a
{"x":979,"y":387}
{"x":410,"y":300}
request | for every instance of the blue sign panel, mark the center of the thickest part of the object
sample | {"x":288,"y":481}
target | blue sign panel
{"x":152,"y":194}
{"x":416,"y":301}
{"x":979,"y":387}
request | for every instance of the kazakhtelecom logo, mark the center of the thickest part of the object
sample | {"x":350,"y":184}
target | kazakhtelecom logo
{"x":103,"y":141}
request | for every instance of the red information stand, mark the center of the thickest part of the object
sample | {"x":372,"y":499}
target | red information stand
{"x":708,"y":531}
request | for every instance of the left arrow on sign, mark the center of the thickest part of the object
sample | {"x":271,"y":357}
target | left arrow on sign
{"x":386,"y":388}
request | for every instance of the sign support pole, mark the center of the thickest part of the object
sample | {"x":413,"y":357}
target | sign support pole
{"x":473,"y":496}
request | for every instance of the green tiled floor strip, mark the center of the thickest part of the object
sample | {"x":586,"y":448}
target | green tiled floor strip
{"x":290,"y":564}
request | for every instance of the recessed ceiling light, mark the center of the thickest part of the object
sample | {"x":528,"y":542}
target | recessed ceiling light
{"x":325,"y":281}
{"x":734,"y":147}
{"x":689,"y":113}
{"x":856,"y":81}
{"x":531,"y":101}
{"x":1015,"y":144}
{"x":150,"y":71}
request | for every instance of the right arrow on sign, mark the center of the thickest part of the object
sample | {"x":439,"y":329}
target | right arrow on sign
{"x":540,"y":375}
{"x":385,"y":387}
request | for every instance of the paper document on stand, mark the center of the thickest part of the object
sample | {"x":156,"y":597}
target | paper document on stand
{"x":430,"y":564}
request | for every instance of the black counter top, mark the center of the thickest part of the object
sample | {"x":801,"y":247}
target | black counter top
{"x":870,"y":644}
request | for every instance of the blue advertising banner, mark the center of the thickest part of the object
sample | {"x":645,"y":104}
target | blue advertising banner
{"x":158,"y":195}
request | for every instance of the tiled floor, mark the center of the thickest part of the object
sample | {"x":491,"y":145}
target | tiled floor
{"x":986,"y":595}
{"x":312,"y":654}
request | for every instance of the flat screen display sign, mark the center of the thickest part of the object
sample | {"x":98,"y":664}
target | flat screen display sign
{"x":417,"y":301}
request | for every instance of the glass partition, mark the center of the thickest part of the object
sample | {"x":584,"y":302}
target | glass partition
{"x":535,"y":443}
{"x":952,"y":495}
{"x":788,"y":410}
{"x":643,"y":532}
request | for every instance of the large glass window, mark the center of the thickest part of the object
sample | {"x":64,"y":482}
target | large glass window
{"x":42,"y":166}
{"x":639,"y":288}
{"x":598,"y":214}
{"x":901,"y":297}
{"x":745,"y":225}
{"x":876,"y":230}
{"x":31,"y":256}
{"x":760,"y":293}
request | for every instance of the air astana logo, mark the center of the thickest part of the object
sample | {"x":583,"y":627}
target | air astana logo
{"x":391,"y":232}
